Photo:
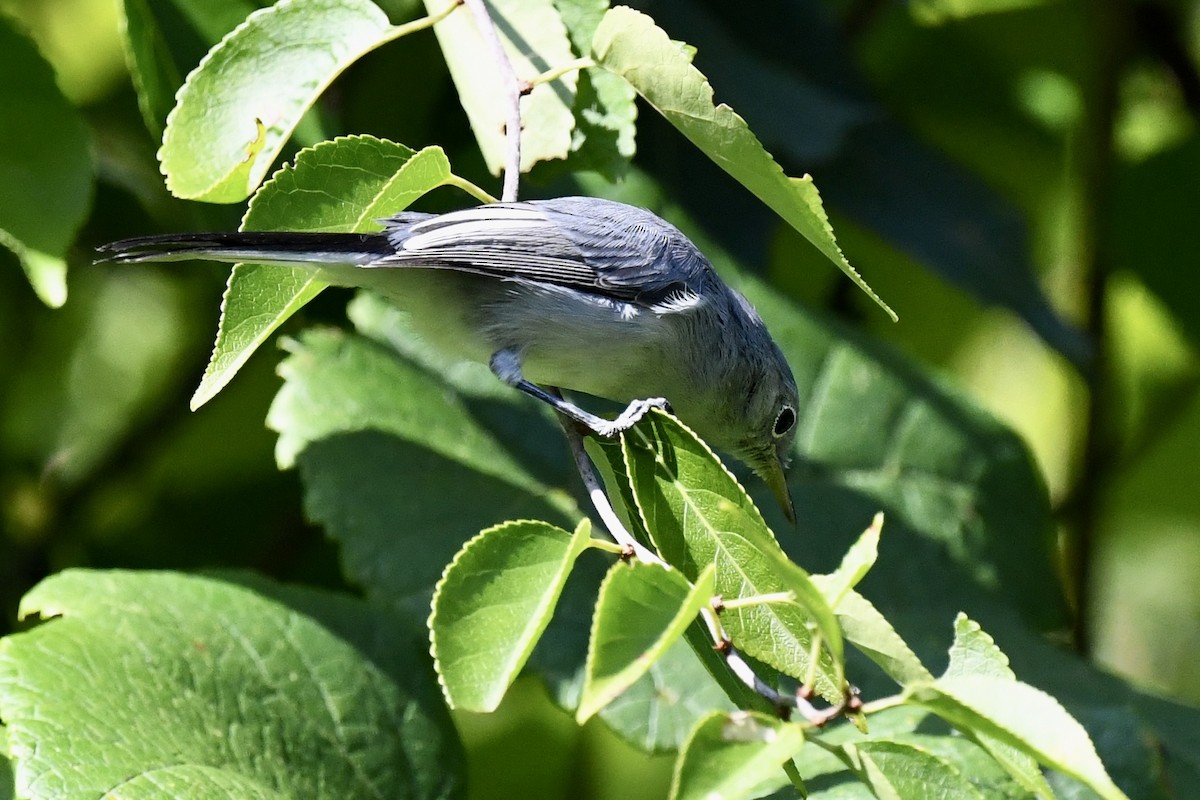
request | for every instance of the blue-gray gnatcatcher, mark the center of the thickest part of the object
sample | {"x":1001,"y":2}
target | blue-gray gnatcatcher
{"x":577,"y":293}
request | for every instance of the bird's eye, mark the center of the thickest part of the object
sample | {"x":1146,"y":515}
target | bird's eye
{"x":785,"y":421}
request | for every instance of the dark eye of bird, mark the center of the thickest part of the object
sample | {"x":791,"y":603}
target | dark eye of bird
{"x":785,"y":421}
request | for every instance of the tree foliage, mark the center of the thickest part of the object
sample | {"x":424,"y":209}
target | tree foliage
{"x":454,"y":554}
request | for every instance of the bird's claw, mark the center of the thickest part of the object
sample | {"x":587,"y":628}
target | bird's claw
{"x":630,"y":416}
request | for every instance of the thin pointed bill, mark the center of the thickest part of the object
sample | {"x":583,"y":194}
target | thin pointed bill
{"x":774,"y":477}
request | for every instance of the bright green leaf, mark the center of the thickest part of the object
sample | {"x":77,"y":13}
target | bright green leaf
{"x":901,"y":771}
{"x":493,"y":603}
{"x":871,"y":633}
{"x":45,"y":167}
{"x":974,"y":652}
{"x":155,"y":52}
{"x":237,"y":109}
{"x":854,"y":567}
{"x":641,"y":611}
{"x":733,"y":756}
{"x":629,"y":44}
{"x":535,"y":40}
{"x":341,"y":185}
{"x":139,"y":683}
{"x":1019,"y":715}
{"x":697,"y":514}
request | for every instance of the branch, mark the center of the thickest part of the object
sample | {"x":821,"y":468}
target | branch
{"x":591,"y":482}
{"x":513,"y":91}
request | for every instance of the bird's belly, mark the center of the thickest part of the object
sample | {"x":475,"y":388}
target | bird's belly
{"x":564,"y":338}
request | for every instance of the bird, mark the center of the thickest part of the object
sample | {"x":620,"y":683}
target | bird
{"x":576,"y":293}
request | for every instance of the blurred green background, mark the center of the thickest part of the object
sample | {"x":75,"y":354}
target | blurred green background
{"x":1022,"y":186}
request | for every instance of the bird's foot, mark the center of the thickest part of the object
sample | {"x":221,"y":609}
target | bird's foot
{"x":630,"y":416}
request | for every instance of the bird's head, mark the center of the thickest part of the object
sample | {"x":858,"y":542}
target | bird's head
{"x":760,"y":401}
{"x":769,"y":428}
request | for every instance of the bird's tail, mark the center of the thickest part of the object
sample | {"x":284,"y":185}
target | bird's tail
{"x":294,"y":249}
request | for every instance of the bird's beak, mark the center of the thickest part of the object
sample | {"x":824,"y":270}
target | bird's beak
{"x":777,"y":481}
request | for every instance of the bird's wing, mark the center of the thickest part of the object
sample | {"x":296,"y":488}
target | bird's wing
{"x":591,"y":245}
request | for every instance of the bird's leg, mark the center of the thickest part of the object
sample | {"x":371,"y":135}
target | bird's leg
{"x":506,"y":365}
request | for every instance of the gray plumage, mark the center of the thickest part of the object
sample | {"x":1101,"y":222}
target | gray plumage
{"x":576,"y":292}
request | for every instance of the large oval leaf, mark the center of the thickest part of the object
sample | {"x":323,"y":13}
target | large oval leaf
{"x":492,"y":605}
{"x":237,"y":109}
{"x":157,"y":679}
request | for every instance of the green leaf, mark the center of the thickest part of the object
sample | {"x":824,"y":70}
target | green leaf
{"x":535,"y":40}
{"x":968,"y":514}
{"x":382,"y":447}
{"x":493,"y":603}
{"x":901,"y":771}
{"x":140,"y":683}
{"x":697,"y":514}
{"x":1019,"y":715}
{"x":642,"y":610}
{"x":629,"y":44}
{"x":854,"y":567}
{"x":873,"y":635}
{"x":733,"y":756}
{"x":975,"y":653}
{"x":341,"y":185}
{"x":605,"y":107}
{"x":156,"y":56}
{"x":237,"y":109}
{"x":45,"y":167}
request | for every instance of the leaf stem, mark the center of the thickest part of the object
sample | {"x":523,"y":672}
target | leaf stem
{"x":758,"y":600}
{"x":551,"y":75}
{"x":470,"y":188}
{"x":591,"y":483}
{"x":512,"y":94}
{"x":399,"y":31}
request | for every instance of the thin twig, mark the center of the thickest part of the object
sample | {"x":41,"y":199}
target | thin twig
{"x":591,"y":482}
{"x":512,"y":93}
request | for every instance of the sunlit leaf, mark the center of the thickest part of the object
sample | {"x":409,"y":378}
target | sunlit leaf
{"x":902,"y":771}
{"x":154,"y":681}
{"x":734,"y":756}
{"x":341,"y":185}
{"x":237,"y":109}
{"x":698,"y":515}
{"x":641,"y":611}
{"x":629,"y":44}
{"x":1019,"y":715}
{"x":535,"y":40}
{"x":493,"y":603}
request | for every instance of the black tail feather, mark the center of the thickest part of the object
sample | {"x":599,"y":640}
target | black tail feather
{"x":273,"y":246}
